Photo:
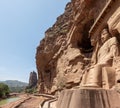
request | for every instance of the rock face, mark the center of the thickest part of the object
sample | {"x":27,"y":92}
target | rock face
{"x":33,"y":79}
{"x":66,"y":51}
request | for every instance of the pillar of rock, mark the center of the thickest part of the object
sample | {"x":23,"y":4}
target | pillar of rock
{"x":33,"y":79}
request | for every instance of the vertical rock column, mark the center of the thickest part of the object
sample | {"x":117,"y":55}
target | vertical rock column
{"x":33,"y":79}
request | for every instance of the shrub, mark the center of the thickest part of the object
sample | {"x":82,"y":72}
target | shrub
{"x":4,"y":90}
{"x":61,"y":82}
{"x":30,"y":90}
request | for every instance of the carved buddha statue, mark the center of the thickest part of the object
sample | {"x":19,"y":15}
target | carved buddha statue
{"x":102,"y":73}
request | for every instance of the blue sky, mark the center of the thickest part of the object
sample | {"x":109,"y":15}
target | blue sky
{"x":22,"y":26}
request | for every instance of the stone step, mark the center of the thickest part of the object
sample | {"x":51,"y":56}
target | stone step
{"x":51,"y":103}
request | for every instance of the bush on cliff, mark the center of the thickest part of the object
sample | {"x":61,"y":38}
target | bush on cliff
{"x":30,"y":90}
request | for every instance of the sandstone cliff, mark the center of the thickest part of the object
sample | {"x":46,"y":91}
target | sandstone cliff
{"x":66,"y":49}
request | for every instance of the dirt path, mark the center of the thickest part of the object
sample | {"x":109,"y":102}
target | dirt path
{"x":33,"y":102}
{"x":25,"y":102}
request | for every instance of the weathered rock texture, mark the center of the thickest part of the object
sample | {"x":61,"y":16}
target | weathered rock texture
{"x":33,"y":79}
{"x":89,"y":98}
{"x":63,"y":54}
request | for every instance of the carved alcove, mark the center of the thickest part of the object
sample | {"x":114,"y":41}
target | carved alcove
{"x":104,"y":18}
{"x":109,"y":16}
{"x":83,"y":24}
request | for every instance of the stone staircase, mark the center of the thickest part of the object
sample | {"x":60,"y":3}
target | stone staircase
{"x":50,"y":102}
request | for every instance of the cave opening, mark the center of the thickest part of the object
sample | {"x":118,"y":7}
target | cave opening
{"x":49,"y":74}
{"x":85,"y":43}
{"x":47,"y":71}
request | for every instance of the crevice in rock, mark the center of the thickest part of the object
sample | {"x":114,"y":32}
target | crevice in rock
{"x":85,"y":43}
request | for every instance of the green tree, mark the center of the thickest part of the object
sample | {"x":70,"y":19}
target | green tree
{"x":4,"y":90}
